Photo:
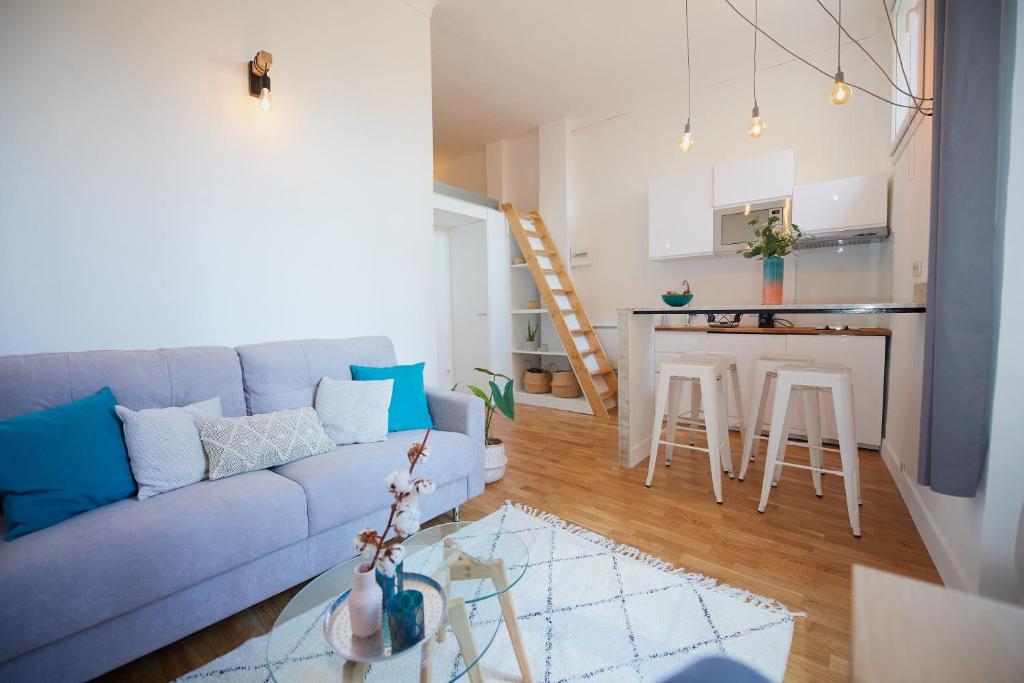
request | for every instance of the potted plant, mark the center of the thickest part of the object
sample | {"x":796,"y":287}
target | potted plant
{"x":771,"y":243}
{"x":495,"y":459}
{"x":532,"y":343}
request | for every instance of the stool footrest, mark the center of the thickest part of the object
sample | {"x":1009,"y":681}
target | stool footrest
{"x":780,"y":463}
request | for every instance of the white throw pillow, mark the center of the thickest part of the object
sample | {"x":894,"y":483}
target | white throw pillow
{"x":243,"y":444}
{"x":164,"y":447}
{"x":354,"y":412}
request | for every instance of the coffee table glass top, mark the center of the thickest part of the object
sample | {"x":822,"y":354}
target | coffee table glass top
{"x":297,"y":650}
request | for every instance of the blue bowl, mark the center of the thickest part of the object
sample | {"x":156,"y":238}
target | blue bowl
{"x":677,"y":299}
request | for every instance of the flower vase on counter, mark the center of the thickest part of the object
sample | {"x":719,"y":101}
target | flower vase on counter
{"x":772,"y":241}
{"x":772,"y":269}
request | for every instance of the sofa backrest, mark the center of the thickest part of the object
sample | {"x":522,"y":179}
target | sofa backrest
{"x":139,"y":379}
{"x":280,"y":375}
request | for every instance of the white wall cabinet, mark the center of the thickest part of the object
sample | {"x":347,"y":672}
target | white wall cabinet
{"x":864,"y":355}
{"x":844,"y":204}
{"x":681,"y":215}
{"x":745,"y":181}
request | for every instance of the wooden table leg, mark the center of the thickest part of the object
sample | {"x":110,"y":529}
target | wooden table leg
{"x":508,"y":611}
{"x":353,"y":672}
{"x":427,"y":661}
{"x":458,"y":617}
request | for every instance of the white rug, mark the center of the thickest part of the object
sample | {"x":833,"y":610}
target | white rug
{"x":589,"y":609}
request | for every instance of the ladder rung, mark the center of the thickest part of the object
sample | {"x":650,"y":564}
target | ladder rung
{"x":580,"y":333}
{"x":562,"y":291}
{"x":588,"y":352}
{"x":605,"y":395}
{"x":602,"y":371}
{"x":544,"y":252}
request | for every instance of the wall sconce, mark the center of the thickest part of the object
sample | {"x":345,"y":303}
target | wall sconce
{"x":259,"y":79}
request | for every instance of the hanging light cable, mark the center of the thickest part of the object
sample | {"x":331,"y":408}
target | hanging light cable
{"x":686,"y":139}
{"x":756,"y":127}
{"x":841,"y":92}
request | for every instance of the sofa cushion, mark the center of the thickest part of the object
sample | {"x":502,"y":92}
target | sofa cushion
{"x":408,"y":408}
{"x":281,"y":375}
{"x":354,"y":412}
{"x":140,"y":379}
{"x":113,"y":559}
{"x":60,"y":462}
{"x":164,"y":447}
{"x":348,"y":482}
{"x":255,"y":442}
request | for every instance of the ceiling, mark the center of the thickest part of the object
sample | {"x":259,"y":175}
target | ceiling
{"x":501,"y":67}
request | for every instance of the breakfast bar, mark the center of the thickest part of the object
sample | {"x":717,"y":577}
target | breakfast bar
{"x":638,"y":357}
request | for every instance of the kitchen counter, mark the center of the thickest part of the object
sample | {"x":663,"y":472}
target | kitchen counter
{"x":636,"y":328}
{"x":859,"y":332}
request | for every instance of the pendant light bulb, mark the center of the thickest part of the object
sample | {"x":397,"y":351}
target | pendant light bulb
{"x":841,"y":92}
{"x":266,"y":103}
{"x":686,"y":139}
{"x":756,"y":127}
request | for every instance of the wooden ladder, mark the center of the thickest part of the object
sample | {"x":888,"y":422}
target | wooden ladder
{"x":586,"y":355}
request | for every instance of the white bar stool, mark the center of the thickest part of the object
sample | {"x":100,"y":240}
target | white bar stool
{"x":838,"y":380}
{"x":761,"y":385}
{"x":732,"y":386}
{"x":708,"y":374}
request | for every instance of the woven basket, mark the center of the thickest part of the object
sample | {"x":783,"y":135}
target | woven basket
{"x":537,"y":382}
{"x":564,"y":384}
{"x":495,"y":462}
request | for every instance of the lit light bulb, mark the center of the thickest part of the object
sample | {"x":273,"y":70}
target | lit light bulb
{"x":756,"y":127}
{"x":841,"y":92}
{"x":266,"y":104}
{"x":686,"y":139}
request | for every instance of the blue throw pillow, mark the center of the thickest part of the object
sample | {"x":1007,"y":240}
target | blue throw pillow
{"x":58,"y":462}
{"x":408,"y":409}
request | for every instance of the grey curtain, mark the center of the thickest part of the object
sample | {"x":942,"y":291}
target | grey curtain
{"x":962,"y":306}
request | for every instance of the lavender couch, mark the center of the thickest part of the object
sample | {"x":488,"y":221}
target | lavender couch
{"x":100,"y":589}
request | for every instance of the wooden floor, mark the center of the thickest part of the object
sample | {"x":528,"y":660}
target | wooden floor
{"x":799,"y":552}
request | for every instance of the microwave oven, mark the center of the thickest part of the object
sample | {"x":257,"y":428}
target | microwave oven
{"x":732,"y":224}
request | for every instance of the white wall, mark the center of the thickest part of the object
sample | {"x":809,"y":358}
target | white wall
{"x":612,"y":161}
{"x":468,"y":172}
{"x":147,"y":201}
{"x":513,"y":171}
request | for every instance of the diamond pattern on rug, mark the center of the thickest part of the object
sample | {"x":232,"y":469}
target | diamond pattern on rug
{"x":588,"y":609}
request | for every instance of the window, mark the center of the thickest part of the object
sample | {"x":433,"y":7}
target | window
{"x":908,"y":21}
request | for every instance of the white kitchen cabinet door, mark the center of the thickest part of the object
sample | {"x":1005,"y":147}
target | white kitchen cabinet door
{"x":865,"y":356}
{"x":844,"y":204}
{"x":681,"y":217}
{"x":769,"y":176}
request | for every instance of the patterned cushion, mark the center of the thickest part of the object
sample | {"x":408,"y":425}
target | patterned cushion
{"x":164,"y":447}
{"x":243,"y":444}
{"x":354,"y":412}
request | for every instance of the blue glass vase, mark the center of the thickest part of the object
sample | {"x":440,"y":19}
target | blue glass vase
{"x":390,"y":585}
{"x":771,"y":280}
{"x":405,"y":619}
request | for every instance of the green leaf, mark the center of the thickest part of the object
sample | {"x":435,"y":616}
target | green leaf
{"x":500,"y":401}
{"x":510,"y":402}
{"x":484,"y":370}
{"x":480,"y":392}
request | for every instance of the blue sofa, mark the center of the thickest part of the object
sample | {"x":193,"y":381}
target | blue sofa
{"x":109,"y":585}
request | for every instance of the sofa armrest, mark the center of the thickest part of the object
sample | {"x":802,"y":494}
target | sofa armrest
{"x":457,"y":412}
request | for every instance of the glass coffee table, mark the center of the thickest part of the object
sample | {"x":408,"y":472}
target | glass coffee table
{"x":475,"y":562}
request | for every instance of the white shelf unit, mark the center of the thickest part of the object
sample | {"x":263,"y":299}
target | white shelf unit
{"x":521,"y":289}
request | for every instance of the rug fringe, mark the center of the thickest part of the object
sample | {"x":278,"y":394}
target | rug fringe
{"x":632,"y":552}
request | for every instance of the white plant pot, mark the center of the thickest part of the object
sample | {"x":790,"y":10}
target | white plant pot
{"x":364,"y":602}
{"x":531,"y":345}
{"x":495,"y":462}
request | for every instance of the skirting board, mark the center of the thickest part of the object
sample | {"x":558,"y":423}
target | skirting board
{"x":938,"y":546}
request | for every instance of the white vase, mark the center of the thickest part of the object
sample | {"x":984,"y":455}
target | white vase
{"x":364,"y":602}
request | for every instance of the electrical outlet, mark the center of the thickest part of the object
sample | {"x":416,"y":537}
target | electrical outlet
{"x":918,"y":268}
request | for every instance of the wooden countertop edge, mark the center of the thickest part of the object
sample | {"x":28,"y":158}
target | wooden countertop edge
{"x":862,"y":332}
